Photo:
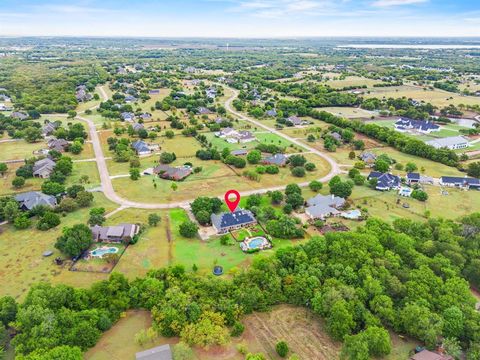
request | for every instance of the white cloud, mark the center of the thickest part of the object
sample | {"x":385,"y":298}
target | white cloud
{"x":387,"y":3}
{"x":280,"y":8}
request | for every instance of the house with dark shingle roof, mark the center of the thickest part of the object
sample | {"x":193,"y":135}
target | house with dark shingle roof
{"x":277,"y":159}
{"x":19,"y":115}
{"x":141,"y":147}
{"x":43,"y":168}
{"x":204,"y":111}
{"x":119,"y":233}
{"x":228,"y":221}
{"x":130,"y":99}
{"x":29,"y":200}
{"x":60,"y":145}
{"x":423,"y":126}
{"x":49,"y":128}
{"x":368,"y":158}
{"x":296,"y":121}
{"x":323,"y":206}
{"x":271,"y":113}
{"x":127,"y":116}
{"x":137,"y":127}
{"x":460,"y":182}
{"x":240,"y":152}
{"x":172,"y":173}
{"x":385,"y":181}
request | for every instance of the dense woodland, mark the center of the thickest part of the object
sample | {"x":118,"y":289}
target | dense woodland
{"x":410,"y":277}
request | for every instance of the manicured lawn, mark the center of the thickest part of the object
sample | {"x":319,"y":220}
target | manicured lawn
{"x":22,"y":264}
{"x":19,"y":150}
{"x":84,"y":168}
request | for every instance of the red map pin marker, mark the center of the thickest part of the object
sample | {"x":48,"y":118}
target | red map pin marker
{"x":232,"y":204}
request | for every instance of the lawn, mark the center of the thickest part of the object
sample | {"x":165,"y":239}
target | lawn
{"x":352,"y":81}
{"x":22,"y":264}
{"x":347,"y":112}
{"x":213,"y":180}
{"x":96,"y":264}
{"x":19,"y":150}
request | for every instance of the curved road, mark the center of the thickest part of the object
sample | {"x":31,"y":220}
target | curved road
{"x":109,"y":191}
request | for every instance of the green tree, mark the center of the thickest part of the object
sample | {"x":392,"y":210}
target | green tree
{"x":410,"y":167}
{"x":340,"y":321}
{"x":74,"y":240}
{"x":32,"y":134}
{"x":18,"y":182}
{"x":154,"y":219}
{"x":341,"y":189}
{"x":315,"y":185}
{"x":3,"y":168}
{"x":52,"y":188}
{"x":48,"y":221}
{"x":276,"y":197}
{"x":22,"y":222}
{"x":134,"y":174}
{"x":282,"y":348}
{"x":254,"y":157}
{"x":382,"y":165}
{"x":188,"y":229}
{"x":97,"y":216}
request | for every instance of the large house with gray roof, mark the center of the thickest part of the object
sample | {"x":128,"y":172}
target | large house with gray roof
{"x":228,"y":221}
{"x":43,"y":168}
{"x":385,"y":181}
{"x":460,"y":182}
{"x":172,"y":173}
{"x":323,"y":206}
{"x":277,"y":159}
{"x":422,"y":126}
{"x":452,"y":143}
{"x":29,"y":200}
{"x":117,"y":234}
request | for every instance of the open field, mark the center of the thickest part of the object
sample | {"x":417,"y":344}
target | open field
{"x":337,"y":83}
{"x":214,"y":177}
{"x":303,"y":331}
{"x":19,"y":150}
{"x":21,"y":261}
{"x":436,"y":97}
{"x":119,"y":341}
{"x":347,"y":112}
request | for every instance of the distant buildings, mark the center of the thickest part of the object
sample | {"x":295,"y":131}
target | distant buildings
{"x":296,"y":121}
{"x":29,"y":200}
{"x":422,"y":126}
{"x":323,"y":206}
{"x":117,"y":234}
{"x":19,"y":115}
{"x":154,"y":92}
{"x":240,"y":152}
{"x":127,"y":116}
{"x":228,"y":221}
{"x":416,"y":178}
{"x":49,"y":128}
{"x":172,"y":173}
{"x":82,"y":94}
{"x":464,"y":183}
{"x":368,"y":158}
{"x":137,"y":127}
{"x":452,"y":143}
{"x":204,"y":111}
{"x":60,"y":145}
{"x":385,"y":181}
{"x":271,"y":113}
{"x":130,"y":99}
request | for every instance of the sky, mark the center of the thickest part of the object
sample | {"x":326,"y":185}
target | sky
{"x":240,"y":18}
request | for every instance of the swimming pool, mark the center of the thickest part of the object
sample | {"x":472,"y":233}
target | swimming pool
{"x":99,"y":252}
{"x":255,"y":243}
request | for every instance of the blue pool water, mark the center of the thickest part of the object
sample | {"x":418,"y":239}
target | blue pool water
{"x":256,"y":243}
{"x":103,"y":251}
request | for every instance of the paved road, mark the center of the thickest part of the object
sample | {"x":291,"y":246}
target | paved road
{"x":109,"y":192}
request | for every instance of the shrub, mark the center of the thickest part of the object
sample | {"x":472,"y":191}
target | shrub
{"x":237,"y":329}
{"x":282,"y":348}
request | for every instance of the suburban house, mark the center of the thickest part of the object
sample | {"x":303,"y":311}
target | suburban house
{"x":142,"y":148}
{"x":385,"y":181}
{"x":276,"y":159}
{"x":323,"y":206}
{"x":452,"y":143}
{"x":172,"y":173}
{"x":19,"y":115}
{"x":43,"y":168}
{"x":162,"y":352}
{"x":423,"y":126}
{"x":130,"y":99}
{"x":82,"y":94}
{"x":127,"y":116}
{"x":465,"y":182}
{"x":233,"y":136}
{"x":336,"y":136}
{"x":154,"y":92}
{"x":137,"y":127}
{"x":228,"y":221}
{"x":49,"y":128}
{"x":29,"y":200}
{"x":204,"y":111}
{"x":60,"y":145}
{"x":271,"y":113}
{"x":211,"y":93}
{"x":416,"y":178}
{"x":296,"y":121}
{"x":240,"y":152}
{"x":119,"y":233}
{"x":368,"y":158}
{"x":429,"y":355}
{"x":145,"y":116}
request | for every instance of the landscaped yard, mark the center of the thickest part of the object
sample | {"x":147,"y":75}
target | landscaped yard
{"x":22,"y":264}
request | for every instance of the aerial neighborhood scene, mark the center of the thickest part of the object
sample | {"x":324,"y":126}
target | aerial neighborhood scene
{"x":240,"y":180}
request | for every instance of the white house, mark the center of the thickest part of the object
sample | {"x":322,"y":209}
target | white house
{"x":452,"y":143}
